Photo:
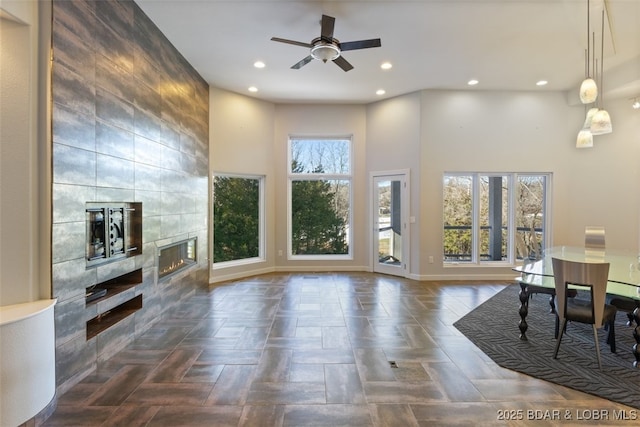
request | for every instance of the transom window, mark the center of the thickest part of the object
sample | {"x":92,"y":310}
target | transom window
{"x":491,"y":218}
{"x":319,"y":197}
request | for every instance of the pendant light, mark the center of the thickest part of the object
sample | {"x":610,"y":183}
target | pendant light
{"x":588,"y":88}
{"x":585,"y":139}
{"x":589,"y":118}
{"x":601,"y":122}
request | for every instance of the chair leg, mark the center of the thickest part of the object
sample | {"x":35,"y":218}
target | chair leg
{"x":630,"y":319}
{"x":555,"y":334}
{"x":564,"y":325}
{"x":611,"y":336}
{"x":595,"y":337}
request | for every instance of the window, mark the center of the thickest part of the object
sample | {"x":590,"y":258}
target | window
{"x":492,"y":218}
{"x":237,"y":219}
{"x":319,"y":197}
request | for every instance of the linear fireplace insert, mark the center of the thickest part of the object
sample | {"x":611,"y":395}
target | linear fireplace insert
{"x":176,"y":256}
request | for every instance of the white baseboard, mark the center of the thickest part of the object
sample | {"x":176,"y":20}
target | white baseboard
{"x":464,"y":277}
{"x":217,"y":278}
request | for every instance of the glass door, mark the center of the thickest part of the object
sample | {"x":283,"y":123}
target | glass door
{"x":390,"y":231}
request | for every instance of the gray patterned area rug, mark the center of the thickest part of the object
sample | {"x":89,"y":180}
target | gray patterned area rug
{"x":493,"y":327}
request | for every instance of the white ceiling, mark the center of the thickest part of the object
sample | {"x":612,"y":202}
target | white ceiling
{"x":432,"y":44}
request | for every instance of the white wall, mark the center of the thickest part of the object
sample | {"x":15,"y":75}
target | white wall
{"x":430,"y":132}
{"x":27,"y":351}
{"x":393,"y":143}
{"x":600,"y":185}
{"x":241,"y":141}
{"x":529,"y":132}
{"x":323,"y":120}
{"x":22,"y":275}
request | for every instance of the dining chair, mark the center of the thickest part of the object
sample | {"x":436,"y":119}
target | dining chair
{"x":594,"y":243}
{"x":590,"y":279}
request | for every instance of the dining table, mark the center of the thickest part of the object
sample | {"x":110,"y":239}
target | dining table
{"x":623,"y":286}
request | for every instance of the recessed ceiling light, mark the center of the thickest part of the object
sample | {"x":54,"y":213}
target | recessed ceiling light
{"x":541,"y":83}
{"x":259,"y":64}
{"x":473,"y":82}
{"x":380,"y":92}
{"x":253,"y":89}
{"x":386,"y":65}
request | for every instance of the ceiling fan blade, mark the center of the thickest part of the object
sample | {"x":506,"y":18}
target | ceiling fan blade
{"x":302,"y":63}
{"x":360,"y":44}
{"x":278,"y":39}
{"x":326,"y":29}
{"x":343,"y":63}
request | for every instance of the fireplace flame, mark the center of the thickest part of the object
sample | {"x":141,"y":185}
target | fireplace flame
{"x":175,"y":265}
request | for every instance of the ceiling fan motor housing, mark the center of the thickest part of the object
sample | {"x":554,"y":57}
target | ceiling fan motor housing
{"x":323,"y":50}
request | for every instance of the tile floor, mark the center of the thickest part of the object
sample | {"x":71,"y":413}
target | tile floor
{"x":317,"y":350}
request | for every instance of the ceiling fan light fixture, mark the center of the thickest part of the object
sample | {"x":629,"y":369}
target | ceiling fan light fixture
{"x":325,"y":52}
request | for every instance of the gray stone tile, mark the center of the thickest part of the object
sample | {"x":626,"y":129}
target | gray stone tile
{"x":323,"y":415}
{"x":114,"y":110}
{"x":114,"y":141}
{"x":263,"y":415}
{"x":150,"y":394}
{"x":73,"y":91}
{"x":343,"y":384}
{"x":71,"y":128}
{"x":68,"y":241}
{"x":274,"y":366}
{"x":73,"y":166}
{"x":232,"y":386}
{"x":114,"y":172}
{"x":286,"y":393}
{"x":391,"y":415}
{"x":222,"y":416}
{"x":402,"y":392}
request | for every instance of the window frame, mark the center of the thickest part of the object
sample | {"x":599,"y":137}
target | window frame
{"x":261,"y":222}
{"x":512,"y":179}
{"x":291,"y":177}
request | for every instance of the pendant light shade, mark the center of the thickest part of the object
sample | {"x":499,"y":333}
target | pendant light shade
{"x":601,"y":123}
{"x":585,"y":139}
{"x":588,"y":91}
{"x":589,"y":118}
{"x":597,"y":120}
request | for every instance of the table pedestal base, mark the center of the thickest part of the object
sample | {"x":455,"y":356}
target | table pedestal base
{"x":524,"y":311}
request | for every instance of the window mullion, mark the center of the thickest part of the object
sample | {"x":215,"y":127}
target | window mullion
{"x":475,"y":219}
{"x":513,"y":182}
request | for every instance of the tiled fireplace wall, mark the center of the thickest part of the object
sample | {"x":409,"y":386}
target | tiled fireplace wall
{"x":129,"y":124}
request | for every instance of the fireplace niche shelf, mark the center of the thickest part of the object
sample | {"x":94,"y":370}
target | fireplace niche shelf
{"x":105,"y":320}
{"x":119,"y":302}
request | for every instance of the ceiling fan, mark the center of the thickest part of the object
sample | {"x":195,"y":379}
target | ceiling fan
{"x":326,"y":48}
